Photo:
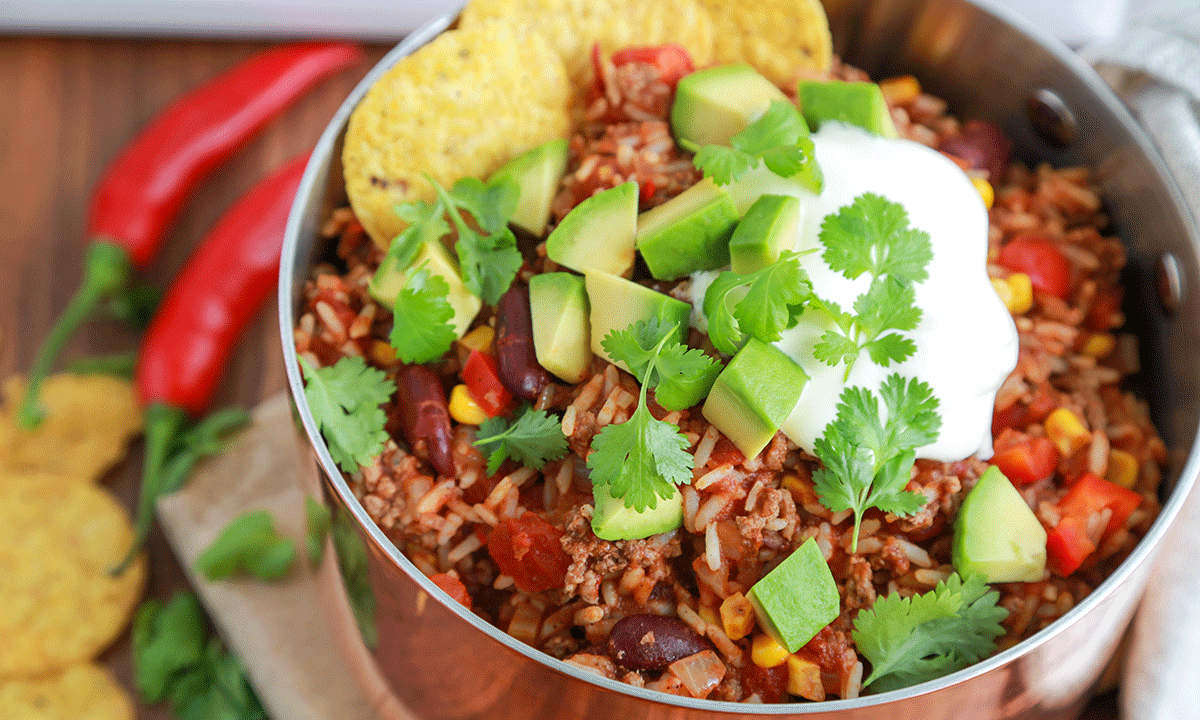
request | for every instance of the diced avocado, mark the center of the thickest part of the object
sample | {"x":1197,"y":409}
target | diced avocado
{"x":618,"y":303}
{"x":388,"y":280}
{"x":769,"y":227}
{"x":537,"y":173}
{"x":855,"y":103}
{"x":798,"y":598}
{"x":753,"y":395}
{"x":689,"y":232}
{"x":997,"y":535}
{"x":713,"y":105}
{"x":612,"y":520}
{"x":561,"y":334}
{"x":599,"y":233}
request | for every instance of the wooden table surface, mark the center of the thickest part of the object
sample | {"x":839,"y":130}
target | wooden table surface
{"x":69,"y":105}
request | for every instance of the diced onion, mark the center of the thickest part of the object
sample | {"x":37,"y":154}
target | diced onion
{"x":699,"y":673}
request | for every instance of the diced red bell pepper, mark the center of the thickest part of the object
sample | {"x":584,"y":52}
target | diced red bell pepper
{"x":1068,"y":545}
{"x":672,"y":61}
{"x":1040,"y":259}
{"x":1027,"y":462}
{"x":481,"y":375}
{"x":1092,"y":494}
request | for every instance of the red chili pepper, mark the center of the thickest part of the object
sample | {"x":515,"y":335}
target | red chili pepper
{"x":481,"y":375}
{"x":144,"y":186}
{"x":218,"y":292}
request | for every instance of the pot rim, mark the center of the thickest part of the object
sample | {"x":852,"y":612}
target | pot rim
{"x":1142,"y":554}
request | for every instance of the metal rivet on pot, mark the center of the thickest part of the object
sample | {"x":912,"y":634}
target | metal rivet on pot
{"x":1051,"y":118}
{"x":1169,"y":281}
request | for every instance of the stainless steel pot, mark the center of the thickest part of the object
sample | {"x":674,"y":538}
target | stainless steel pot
{"x":443,"y":662}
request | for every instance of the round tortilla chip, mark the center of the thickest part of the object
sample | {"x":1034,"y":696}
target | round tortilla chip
{"x":461,"y":106}
{"x":782,"y":39}
{"x":58,"y":543}
{"x":89,"y":421}
{"x":81,"y":692}
{"x":573,"y":26}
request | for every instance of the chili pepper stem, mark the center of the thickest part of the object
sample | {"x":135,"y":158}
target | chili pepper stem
{"x":163,"y":424}
{"x":107,"y":268}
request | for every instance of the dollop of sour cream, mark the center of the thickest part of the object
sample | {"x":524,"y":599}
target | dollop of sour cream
{"x":966,"y":340}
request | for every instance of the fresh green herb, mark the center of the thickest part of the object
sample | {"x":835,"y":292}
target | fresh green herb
{"x":249,"y":544}
{"x":118,"y":365}
{"x":346,"y":401}
{"x":216,"y":689}
{"x":489,"y":259}
{"x":758,"y":304}
{"x":867,"y":463}
{"x":872,"y":235}
{"x":779,"y":139}
{"x":318,"y":519}
{"x":421,"y":318}
{"x":912,"y":640}
{"x":640,"y":459}
{"x":534,"y":438}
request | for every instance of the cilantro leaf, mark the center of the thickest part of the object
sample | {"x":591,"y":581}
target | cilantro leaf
{"x":425,"y":224}
{"x":534,"y":438}
{"x":872,"y":235}
{"x":346,"y":402}
{"x":488,"y":257}
{"x":912,"y":640}
{"x":779,"y":139}
{"x":421,"y":318}
{"x":681,"y":376}
{"x":490,"y":204}
{"x":723,"y":164}
{"x":867,"y":462}
{"x":639,"y":460}
{"x":772,"y":301}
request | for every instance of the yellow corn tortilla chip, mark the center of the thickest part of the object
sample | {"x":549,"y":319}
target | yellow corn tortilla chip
{"x":89,"y":421}
{"x":461,"y":106}
{"x":573,"y":26}
{"x":81,"y":692}
{"x":58,"y":542}
{"x":782,"y":39}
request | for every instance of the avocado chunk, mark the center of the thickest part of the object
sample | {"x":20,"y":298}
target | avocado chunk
{"x":561,"y":334}
{"x":854,"y":103}
{"x":387,"y":282}
{"x":617,"y":303}
{"x":997,"y":535}
{"x":598,"y":233}
{"x":753,"y":395}
{"x":689,"y":232}
{"x":798,"y":598}
{"x":537,"y":173}
{"x":612,"y":520}
{"x":713,"y":105}
{"x":769,"y":227}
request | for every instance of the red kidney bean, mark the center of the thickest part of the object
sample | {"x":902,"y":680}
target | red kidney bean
{"x":652,"y":642}
{"x":982,"y":144}
{"x":519,"y":368}
{"x":424,"y":414}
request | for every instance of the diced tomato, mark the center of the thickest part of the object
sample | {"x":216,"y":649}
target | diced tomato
{"x":672,"y":61}
{"x":1093,"y":493}
{"x":1068,"y":545}
{"x":1027,"y":462}
{"x":529,"y":550}
{"x":453,"y":587}
{"x":1040,"y":259}
{"x":769,"y":683}
{"x":481,"y":375}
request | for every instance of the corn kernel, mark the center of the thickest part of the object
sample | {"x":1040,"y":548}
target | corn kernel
{"x":1122,"y":469}
{"x":1099,"y":345}
{"x":708,"y":615}
{"x":463,"y":407}
{"x":1022,"y":293}
{"x":1066,"y":431}
{"x":737,"y":616}
{"x":804,"y":679}
{"x":791,"y":483}
{"x":766,"y":652}
{"x":901,"y":89}
{"x":985,"y":191}
{"x":383,"y":353}
{"x":479,"y":339}
{"x":1003,"y":291}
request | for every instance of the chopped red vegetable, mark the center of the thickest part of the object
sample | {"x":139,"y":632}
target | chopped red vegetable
{"x":1041,"y":260}
{"x":481,"y":375}
{"x":1068,"y":545}
{"x":1027,"y":462}
{"x":529,"y":550}
{"x":1092,"y":493}
{"x":672,"y":61}
{"x":453,"y":587}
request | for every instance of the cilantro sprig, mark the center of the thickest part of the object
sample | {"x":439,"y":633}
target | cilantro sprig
{"x":533,"y":438}
{"x":867,"y":461}
{"x":346,"y":401}
{"x":643,"y":458}
{"x":778,"y":139}
{"x":911,"y":640}
{"x":759,"y":304}
{"x":421,"y":318}
{"x":488,"y":258}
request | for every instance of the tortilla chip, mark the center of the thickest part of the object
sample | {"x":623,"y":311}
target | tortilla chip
{"x":81,"y":692}
{"x":58,"y":542}
{"x":89,"y":421}
{"x":461,"y":106}
{"x":782,"y":39}
{"x":573,"y":26}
